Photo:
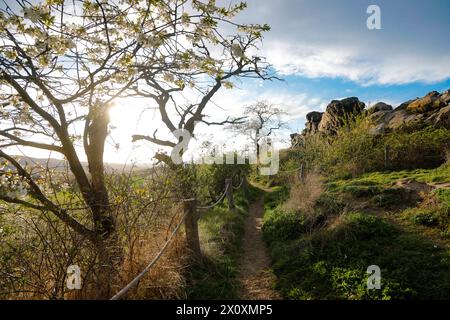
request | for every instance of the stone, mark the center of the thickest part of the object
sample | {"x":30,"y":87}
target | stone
{"x":338,"y":112}
{"x":380,"y":106}
{"x":312,"y":122}
{"x":432,"y":101}
{"x":432,"y":109}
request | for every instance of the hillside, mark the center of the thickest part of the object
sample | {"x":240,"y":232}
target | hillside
{"x":374,"y":191}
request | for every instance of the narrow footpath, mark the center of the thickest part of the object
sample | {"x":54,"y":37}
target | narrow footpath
{"x":257,"y":280}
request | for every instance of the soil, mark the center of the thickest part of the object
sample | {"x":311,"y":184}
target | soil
{"x":256,"y":279}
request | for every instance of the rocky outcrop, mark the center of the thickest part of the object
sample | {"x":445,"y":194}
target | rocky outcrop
{"x":432,"y":101}
{"x":380,"y":106}
{"x":312,"y":122}
{"x":337,"y":113}
{"x":432,"y":109}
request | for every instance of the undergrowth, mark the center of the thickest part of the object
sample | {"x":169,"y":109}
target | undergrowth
{"x":221,"y":232}
{"x":329,"y":260}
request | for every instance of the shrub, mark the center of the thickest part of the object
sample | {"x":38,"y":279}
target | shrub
{"x":355,"y":150}
{"x":328,"y":204}
{"x":352,"y":284}
{"x":364,"y":226}
{"x":434,"y":211}
{"x":331,"y":263}
{"x":412,"y":148}
{"x":304,"y":194}
{"x":211,"y":178}
{"x":280,"y":225}
{"x":362,"y":191}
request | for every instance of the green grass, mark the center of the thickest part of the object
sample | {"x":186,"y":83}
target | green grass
{"x":331,"y":263}
{"x":432,"y":214}
{"x":443,"y":195}
{"x":383,"y":179}
{"x":221,"y":232}
{"x":279,"y":194}
{"x":384,"y":193}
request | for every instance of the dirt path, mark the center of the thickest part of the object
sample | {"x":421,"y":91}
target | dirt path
{"x":255,"y":276}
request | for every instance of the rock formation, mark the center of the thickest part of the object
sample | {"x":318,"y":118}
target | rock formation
{"x":432,"y":109}
{"x":380,"y":106}
{"x":338,"y":112}
{"x":312,"y":122}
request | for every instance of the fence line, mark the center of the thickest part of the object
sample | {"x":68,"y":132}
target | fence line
{"x":240,"y":184}
{"x":134,"y":282}
{"x":217,"y":202}
{"x":136,"y":279}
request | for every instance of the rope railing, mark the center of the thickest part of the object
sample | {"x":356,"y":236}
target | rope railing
{"x":136,"y":279}
{"x":217,"y":202}
{"x":290,"y":171}
{"x":240,"y":184}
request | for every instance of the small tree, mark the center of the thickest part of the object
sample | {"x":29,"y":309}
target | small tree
{"x":262,"y":120}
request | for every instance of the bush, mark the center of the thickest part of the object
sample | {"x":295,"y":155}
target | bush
{"x":424,"y":217}
{"x":355,"y":150}
{"x":352,"y":284}
{"x":364,"y":226}
{"x":280,"y":225}
{"x":211,"y":178}
{"x":386,"y":200}
{"x":434,"y":211}
{"x":362,"y":191}
{"x":415,"y":148}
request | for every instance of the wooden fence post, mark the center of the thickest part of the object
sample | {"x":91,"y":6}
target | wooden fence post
{"x":191,"y":227}
{"x":229,"y":187}
{"x":302,"y":173}
{"x":386,"y":156}
{"x":245,"y":187}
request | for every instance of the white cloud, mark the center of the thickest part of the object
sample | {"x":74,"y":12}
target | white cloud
{"x":357,"y":65}
{"x":319,"y":38}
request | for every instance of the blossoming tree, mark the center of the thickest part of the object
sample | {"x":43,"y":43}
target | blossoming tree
{"x":64,"y":63}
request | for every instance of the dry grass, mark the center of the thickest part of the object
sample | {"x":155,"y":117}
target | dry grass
{"x":303,"y":194}
{"x":165,"y":280}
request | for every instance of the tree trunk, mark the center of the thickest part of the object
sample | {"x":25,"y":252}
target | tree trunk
{"x":257,"y":147}
{"x":102,"y":215}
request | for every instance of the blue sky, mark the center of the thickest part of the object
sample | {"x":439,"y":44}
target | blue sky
{"x":324,"y":51}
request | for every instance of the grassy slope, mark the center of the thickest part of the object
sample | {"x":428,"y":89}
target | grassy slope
{"x":438,"y":175}
{"x":330,"y":262}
